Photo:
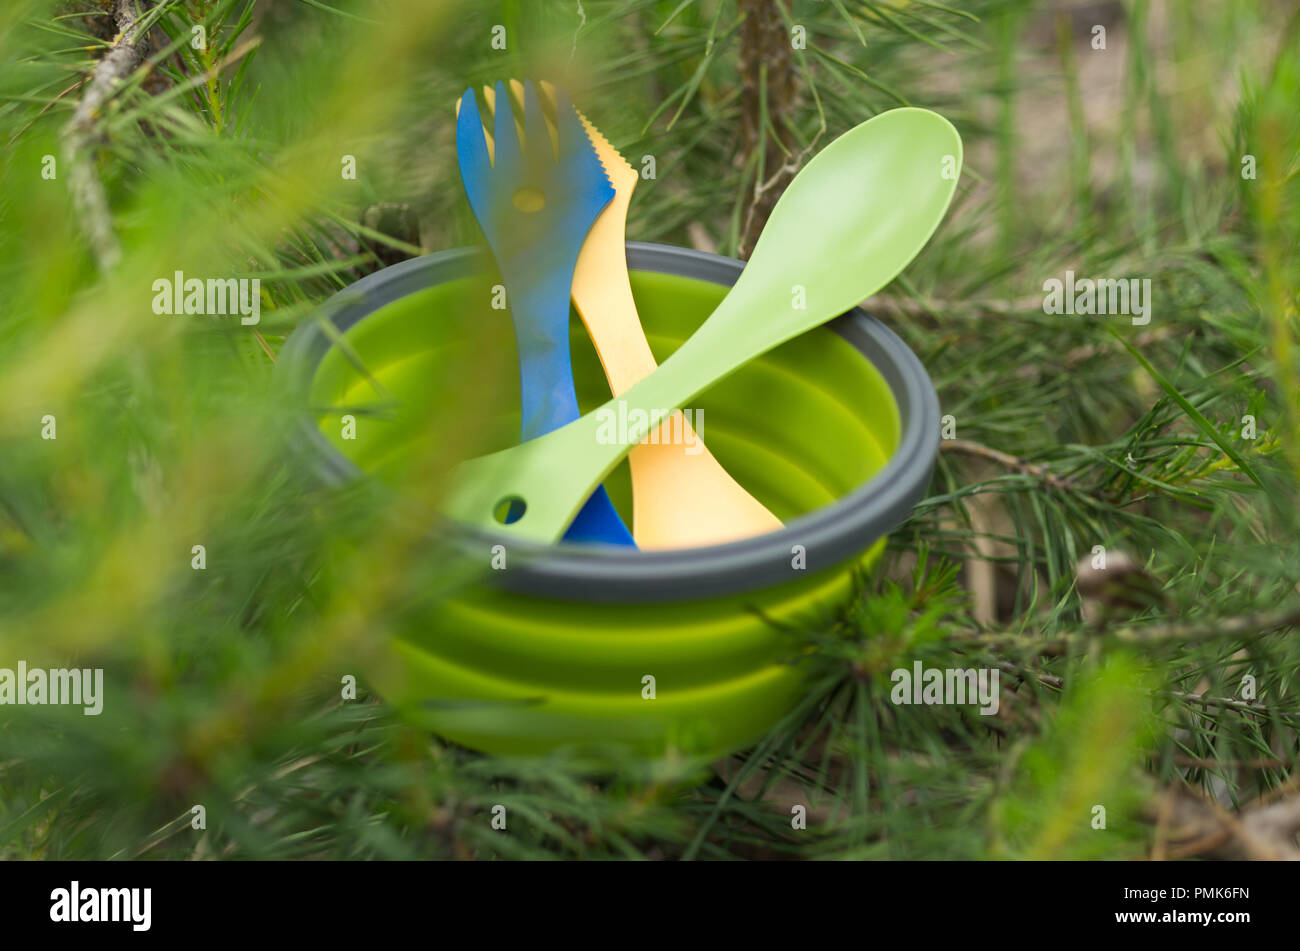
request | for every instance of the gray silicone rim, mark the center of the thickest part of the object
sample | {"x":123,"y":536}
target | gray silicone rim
{"x":829,"y":536}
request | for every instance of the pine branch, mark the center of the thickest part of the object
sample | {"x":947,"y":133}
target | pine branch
{"x":1245,"y":627}
{"x":768,"y":99}
{"x":80,"y":134}
{"x":1050,"y":479}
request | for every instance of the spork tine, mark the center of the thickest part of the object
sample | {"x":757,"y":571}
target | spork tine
{"x":535,"y":204}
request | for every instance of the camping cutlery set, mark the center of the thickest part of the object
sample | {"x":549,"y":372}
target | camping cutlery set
{"x":551,"y":196}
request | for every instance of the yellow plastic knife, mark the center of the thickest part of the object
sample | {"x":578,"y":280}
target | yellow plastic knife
{"x":680,"y":498}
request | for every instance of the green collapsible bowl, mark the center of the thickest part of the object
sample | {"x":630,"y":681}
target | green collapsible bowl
{"x":835,"y":432}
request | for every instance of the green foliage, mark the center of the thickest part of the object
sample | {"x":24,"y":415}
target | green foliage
{"x":1124,"y":162}
{"x":1082,"y":765}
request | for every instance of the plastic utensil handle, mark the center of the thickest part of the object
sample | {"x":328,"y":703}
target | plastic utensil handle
{"x":547,"y":396}
{"x":540,"y":310}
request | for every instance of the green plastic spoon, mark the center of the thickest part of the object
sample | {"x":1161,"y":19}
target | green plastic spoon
{"x":856,"y":215}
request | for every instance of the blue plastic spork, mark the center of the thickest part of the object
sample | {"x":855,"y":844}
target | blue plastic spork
{"x":536,"y":211}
